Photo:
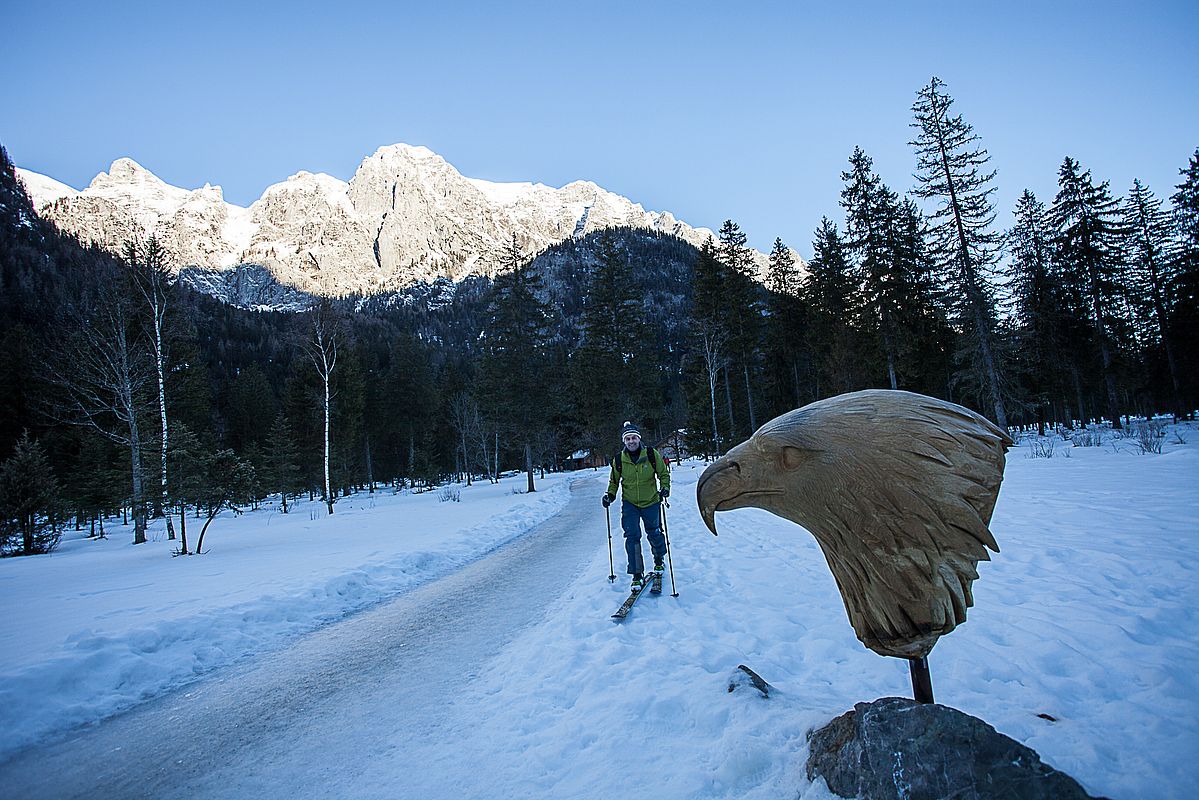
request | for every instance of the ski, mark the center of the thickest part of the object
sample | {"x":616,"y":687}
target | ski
{"x":624,"y":610}
{"x":656,"y":585}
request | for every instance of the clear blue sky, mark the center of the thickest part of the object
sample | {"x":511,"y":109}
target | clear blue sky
{"x":711,"y":111}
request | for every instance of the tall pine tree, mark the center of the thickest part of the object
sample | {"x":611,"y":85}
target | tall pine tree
{"x":1085,"y":217}
{"x":515,"y":338}
{"x":709,"y":351}
{"x":1151,"y":264}
{"x":952,"y":170}
{"x":742,"y":311}
{"x":1037,"y":305}
{"x":1184,"y":293}
{"x":610,"y":375}
{"x":785,"y":328}
{"x":832,"y":298}
{"x":871,"y":213}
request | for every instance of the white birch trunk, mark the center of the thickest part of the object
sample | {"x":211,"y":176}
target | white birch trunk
{"x":162,"y":409}
{"x":328,"y":489}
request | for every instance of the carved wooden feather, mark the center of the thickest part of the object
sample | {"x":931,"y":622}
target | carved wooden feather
{"x":898,"y":489}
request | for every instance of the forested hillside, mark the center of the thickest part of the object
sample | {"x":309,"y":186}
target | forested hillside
{"x":125,"y":391}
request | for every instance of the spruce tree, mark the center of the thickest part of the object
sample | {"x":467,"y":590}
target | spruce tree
{"x":785,"y":327}
{"x":281,"y":471}
{"x":742,"y":312}
{"x":1088,"y":236}
{"x":1037,"y":304}
{"x":925,"y":314}
{"x":611,"y":373}
{"x":1151,"y":263}
{"x":952,"y":170}
{"x":870,"y":220}
{"x":514,"y":340}
{"x":30,"y":501}
{"x":709,"y":348}
{"x":301,"y":405}
{"x":1184,"y":293}
{"x":405,"y":410}
{"x":832,"y":297}
{"x":186,"y":459}
{"x":250,"y":404}
{"x":95,"y":477}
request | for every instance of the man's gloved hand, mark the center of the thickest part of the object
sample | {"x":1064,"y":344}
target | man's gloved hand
{"x":607,"y":499}
{"x":665,"y":493}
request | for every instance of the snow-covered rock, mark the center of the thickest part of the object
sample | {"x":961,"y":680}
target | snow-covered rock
{"x":406,"y":216}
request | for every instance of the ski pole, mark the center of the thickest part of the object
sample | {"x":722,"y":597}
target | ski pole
{"x":611,"y":566}
{"x":666,"y":532}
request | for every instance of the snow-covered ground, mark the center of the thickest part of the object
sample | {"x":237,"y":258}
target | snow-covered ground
{"x":1088,"y":615}
{"x":99,"y":625}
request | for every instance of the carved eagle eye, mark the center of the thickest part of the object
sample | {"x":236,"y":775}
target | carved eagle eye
{"x":792,"y":457}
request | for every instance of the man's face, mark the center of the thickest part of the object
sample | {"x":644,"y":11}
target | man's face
{"x":632,"y":441}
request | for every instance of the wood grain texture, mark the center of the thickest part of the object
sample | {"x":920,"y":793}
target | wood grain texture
{"x":897,"y":488}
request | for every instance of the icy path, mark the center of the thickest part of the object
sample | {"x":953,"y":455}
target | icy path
{"x":316,"y":719}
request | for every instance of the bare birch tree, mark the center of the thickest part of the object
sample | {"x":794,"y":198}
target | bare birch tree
{"x":462,"y":413}
{"x":104,"y":374}
{"x":713,"y":344}
{"x":322,"y":350}
{"x":148,"y":265}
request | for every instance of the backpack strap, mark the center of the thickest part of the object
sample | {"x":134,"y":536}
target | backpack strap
{"x":619,"y":462}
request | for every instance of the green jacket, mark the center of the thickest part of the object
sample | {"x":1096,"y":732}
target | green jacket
{"x":637,"y":478}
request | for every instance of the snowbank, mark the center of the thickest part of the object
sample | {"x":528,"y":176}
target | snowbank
{"x":98,"y":626}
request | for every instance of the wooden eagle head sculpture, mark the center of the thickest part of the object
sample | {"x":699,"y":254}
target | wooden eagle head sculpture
{"x":897,"y":488}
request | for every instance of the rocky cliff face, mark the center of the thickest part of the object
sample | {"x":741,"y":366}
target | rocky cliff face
{"x":406,"y":216}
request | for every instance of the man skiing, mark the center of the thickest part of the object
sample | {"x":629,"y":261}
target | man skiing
{"x":639,"y":471}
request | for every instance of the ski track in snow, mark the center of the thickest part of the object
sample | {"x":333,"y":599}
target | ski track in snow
{"x":1087,"y":615}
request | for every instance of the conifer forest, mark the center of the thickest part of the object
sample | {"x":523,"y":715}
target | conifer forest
{"x":125,"y":394}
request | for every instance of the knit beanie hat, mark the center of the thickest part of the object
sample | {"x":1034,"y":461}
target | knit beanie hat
{"x":629,"y":428}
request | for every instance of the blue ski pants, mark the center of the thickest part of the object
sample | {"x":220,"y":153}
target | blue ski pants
{"x":631,"y":518}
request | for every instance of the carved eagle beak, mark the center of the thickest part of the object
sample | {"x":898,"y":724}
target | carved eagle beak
{"x":719,"y":486}
{"x":713,"y":486}
{"x":736,"y":480}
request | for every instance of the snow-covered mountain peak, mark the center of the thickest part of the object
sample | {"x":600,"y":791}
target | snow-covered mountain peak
{"x":44,"y":189}
{"x":406,"y":215}
{"x":138,"y":191}
{"x":413,"y":151}
{"x":127,"y":172}
{"x":506,"y":194}
{"x":333,"y":191}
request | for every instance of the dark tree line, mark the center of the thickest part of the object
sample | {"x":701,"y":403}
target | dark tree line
{"x":126,"y":393}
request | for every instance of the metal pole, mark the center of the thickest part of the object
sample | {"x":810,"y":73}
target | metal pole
{"x":611,"y":566}
{"x":922,"y":681}
{"x":666,"y":532}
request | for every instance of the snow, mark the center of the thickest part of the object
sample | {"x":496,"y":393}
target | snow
{"x":145,"y":195}
{"x":336,"y":192}
{"x":104,"y":624}
{"x":1088,"y":615}
{"x":43,"y":189}
{"x":505,"y":194}
{"x":238,"y":230}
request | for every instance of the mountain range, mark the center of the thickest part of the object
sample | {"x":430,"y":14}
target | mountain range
{"x":405,"y":217}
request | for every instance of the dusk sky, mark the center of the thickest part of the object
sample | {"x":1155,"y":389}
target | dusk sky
{"x":746,"y":111}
